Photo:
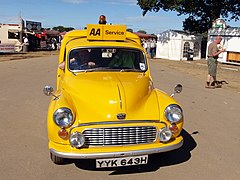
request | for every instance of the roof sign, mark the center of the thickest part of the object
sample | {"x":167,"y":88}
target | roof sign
{"x":33,"y":26}
{"x":106,"y":32}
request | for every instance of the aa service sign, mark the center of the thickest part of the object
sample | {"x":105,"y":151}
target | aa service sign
{"x":106,"y":32}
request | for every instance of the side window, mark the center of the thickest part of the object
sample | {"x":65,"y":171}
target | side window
{"x":13,"y":35}
{"x":196,"y":49}
{"x":186,"y":47}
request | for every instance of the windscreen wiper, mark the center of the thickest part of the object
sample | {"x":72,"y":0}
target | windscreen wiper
{"x":130,"y":70}
{"x":97,"y":69}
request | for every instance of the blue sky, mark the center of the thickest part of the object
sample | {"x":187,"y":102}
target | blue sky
{"x":78,"y":13}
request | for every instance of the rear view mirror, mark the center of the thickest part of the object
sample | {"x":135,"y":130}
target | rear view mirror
{"x":106,"y":54}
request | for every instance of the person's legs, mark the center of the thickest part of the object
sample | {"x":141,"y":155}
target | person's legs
{"x":214,"y":75}
{"x":215,"y":82}
{"x":214,"y":78}
{"x":152,"y":52}
{"x":209,"y":77}
{"x":208,"y":84}
{"x":211,"y":72}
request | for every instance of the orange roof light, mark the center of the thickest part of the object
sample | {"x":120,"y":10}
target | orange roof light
{"x":102,"y":20}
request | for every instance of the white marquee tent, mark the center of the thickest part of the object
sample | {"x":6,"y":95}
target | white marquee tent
{"x":174,"y":45}
{"x":230,"y":41}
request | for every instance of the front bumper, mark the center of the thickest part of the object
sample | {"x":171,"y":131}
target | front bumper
{"x":149,"y":149}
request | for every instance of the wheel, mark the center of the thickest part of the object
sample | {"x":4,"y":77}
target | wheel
{"x":57,"y":160}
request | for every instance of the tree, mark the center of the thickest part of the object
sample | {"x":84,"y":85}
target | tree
{"x":142,"y":31}
{"x":62,"y":28}
{"x":201,"y":12}
{"x":129,"y":30}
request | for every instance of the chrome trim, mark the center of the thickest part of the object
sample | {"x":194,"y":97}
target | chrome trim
{"x":104,"y":143}
{"x":116,"y":154}
{"x":169,"y":106}
{"x":117,"y":122}
{"x":64,"y":109}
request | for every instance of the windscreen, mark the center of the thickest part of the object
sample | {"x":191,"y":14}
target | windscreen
{"x":106,"y":59}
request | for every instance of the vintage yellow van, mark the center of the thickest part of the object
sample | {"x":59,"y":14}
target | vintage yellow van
{"x":105,"y":106}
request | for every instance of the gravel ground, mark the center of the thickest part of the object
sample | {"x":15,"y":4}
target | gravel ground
{"x":27,"y":55}
{"x":198,"y":69}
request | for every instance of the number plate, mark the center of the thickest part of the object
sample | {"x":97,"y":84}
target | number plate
{"x":126,"y":161}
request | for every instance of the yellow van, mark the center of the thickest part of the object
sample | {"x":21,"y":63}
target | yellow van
{"x":105,"y":106}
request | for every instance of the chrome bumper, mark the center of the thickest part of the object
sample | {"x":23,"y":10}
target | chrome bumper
{"x":116,"y":154}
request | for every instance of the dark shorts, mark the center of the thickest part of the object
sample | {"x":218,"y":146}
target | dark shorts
{"x":212,"y":66}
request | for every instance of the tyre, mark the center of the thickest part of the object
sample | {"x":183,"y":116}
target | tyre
{"x":57,"y":160}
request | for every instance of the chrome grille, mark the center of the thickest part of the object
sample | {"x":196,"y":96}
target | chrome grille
{"x":120,"y":136}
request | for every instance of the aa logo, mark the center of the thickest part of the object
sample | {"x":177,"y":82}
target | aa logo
{"x":95,"y":32}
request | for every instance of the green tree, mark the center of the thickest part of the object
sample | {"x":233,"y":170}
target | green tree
{"x":201,"y":13}
{"x":142,"y":31}
{"x":62,"y":28}
{"x":129,"y":30}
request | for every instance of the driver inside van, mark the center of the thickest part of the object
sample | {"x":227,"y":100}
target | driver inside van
{"x":80,"y":60}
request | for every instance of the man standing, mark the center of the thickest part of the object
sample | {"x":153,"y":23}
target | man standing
{"x":152,"y":48}
{"x":213,"y":52}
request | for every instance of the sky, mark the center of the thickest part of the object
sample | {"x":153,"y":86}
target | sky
{"x":79,"y":13}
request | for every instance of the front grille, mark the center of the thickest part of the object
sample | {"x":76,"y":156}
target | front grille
{"x":120,"y":136}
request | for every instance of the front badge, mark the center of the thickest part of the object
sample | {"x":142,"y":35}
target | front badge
{"x":121,"y":116}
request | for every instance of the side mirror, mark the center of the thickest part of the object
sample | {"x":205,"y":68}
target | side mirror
{"x":47,"y":90}
{"x":178,"y":88}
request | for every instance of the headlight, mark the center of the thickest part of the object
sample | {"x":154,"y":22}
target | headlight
{"x":77,"y":139}
{"x":63,"y":117}
{"x":173,"y":113}
{"x":165,"y":134}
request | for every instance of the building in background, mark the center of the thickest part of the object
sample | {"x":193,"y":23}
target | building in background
{"x":178,"y":45}
{"x":11,"y":36}
{"x":230,"y":41}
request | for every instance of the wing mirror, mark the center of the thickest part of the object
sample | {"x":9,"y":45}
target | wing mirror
{"x":48,"y":90}
{"x":178,"y":88}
